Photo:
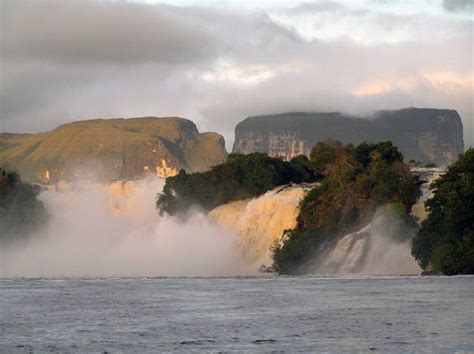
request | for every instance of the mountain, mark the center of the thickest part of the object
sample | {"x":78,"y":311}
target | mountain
{"x":422,"y":134}
{"x":112,"y":149}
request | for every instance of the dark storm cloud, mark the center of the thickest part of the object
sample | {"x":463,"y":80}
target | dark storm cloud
{"x":79,"y":32}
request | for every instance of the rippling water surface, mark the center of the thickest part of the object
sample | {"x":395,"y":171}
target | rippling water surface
{"x":204,"y":314}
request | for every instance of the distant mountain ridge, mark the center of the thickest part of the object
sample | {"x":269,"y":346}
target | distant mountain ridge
{"x":422,"y":134}
{"x":112,"y":149}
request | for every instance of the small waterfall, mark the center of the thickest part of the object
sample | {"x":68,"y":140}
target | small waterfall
{"x":381,"y":247}
{"x":426,"y":176}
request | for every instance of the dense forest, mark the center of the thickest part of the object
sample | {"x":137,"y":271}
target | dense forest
{"x":445,"y":242}
{"x":21,"y":212}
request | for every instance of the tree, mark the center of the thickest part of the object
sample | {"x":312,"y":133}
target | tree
{"x":445,"y":242}
{"x":21,"y":212}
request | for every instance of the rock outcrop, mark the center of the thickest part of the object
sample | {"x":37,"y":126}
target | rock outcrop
{"x":112,"y":149}
{"x":422,"y":134}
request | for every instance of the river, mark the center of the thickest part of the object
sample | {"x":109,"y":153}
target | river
{"x":395,"y":314}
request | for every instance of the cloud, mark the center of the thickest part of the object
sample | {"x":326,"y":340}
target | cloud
{"x":81,"y":32}
{"x":218,"y":65}
{"x":458,"y":5}
{"x":437,"y":80}
{"x":227,"y":72}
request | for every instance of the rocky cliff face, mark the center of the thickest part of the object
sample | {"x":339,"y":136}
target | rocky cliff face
{"x":112,"y":149}
{"x":422,"y":134}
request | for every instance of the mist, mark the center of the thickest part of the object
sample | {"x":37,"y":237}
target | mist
{"x":112,"y":230}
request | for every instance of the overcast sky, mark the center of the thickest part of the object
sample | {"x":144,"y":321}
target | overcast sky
{"x":218,"y":62}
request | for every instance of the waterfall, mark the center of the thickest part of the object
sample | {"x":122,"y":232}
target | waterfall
{"x":114,"y":230}
{"x":381,"y":247}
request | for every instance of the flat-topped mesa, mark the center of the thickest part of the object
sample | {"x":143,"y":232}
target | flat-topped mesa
{"x":112,"y":149}
{"x":422,"y":134}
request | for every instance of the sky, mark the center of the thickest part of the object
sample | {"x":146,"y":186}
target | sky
{"x":217,"y":62}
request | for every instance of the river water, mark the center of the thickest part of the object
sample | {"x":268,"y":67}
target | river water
{"x":232,"y":314}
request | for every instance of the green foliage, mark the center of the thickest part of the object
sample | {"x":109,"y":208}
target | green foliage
{"x":20,"y":211}
{"x":356,"y":180}
{"x":240,"y":177}
{"x":397,"y":208}
{"x":446,"y":238}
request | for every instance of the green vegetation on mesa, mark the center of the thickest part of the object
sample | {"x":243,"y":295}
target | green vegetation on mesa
{"x":354,"y":182}
{"x":20,"y":211}
{"x":239,"y":177}
{"x":111,"y":148}
{"x":445,"y":242}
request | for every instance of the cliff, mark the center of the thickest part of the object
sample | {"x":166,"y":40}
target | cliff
{"x":112,"y":149}
{"x":422,"y":134}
